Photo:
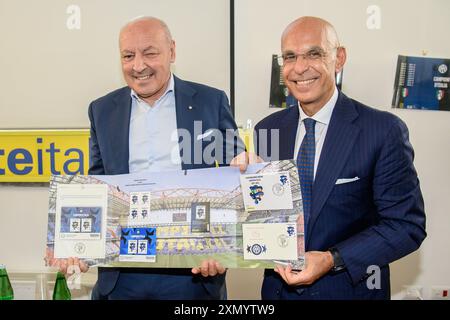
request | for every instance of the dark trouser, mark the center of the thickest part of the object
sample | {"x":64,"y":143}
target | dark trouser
{"x":168,"y":284}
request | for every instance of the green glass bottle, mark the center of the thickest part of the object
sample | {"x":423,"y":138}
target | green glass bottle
{"x":61,"y":290}
{"x":6,"y":290}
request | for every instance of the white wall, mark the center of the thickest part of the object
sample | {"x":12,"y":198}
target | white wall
{"x":51,"y":73}
{"x":408,"y":27}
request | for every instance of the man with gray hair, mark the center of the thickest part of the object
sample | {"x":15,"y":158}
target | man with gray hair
{"x":133,"y":130}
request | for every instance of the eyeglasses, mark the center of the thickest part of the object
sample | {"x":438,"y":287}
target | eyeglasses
{"x":314,"y":54}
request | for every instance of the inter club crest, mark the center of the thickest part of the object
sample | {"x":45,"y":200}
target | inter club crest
{"x":256,"y":249}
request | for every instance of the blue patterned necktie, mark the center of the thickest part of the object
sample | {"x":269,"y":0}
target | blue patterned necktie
{"x":305,"y":165}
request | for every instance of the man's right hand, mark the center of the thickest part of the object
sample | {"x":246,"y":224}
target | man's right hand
{"x":243,"y":159}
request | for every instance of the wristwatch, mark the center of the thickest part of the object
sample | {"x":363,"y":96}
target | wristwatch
{"x":338,"y":262}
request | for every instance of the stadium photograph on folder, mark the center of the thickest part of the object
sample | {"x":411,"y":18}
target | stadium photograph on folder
{"x":190,"y":218}
{"x":92,"y":89}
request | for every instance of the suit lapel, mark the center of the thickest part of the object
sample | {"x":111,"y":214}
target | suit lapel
{"x":341,"y":136}
{"x":289,"y":133}
{"x":186,"y":112}
{"x":121,"y":133}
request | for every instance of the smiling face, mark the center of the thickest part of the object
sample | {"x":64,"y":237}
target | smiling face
{"x":311,"y":77}
{"x":146,"y":54}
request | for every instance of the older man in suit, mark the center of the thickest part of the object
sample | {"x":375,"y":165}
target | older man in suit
{"x":158,"y":122}
{"x":362,"y":202}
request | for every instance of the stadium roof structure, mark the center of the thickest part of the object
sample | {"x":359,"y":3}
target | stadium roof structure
{"x":220,"y":199}
{"x":184,"y":197}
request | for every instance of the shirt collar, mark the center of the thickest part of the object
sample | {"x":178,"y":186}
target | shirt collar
{"x":170,"y":88}
{"x":324,"y":114}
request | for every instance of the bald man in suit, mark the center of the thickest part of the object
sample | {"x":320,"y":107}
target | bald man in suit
{"x":362,"y":201}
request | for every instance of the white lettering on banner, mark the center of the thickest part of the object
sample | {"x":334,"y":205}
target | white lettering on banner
{"x":441,"y":85}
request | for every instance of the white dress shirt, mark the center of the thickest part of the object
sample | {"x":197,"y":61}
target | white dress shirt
{"x":152,"y":148}
{"x":322,"y":118}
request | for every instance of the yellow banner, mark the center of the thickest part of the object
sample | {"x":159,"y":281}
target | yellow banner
{"x":34,"y":155}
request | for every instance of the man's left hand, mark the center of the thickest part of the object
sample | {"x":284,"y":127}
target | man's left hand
{"x":208,"y":268}
{"x":318,"y":263}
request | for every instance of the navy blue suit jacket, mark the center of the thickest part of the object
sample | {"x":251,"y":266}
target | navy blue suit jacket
{"x":109,"y":146}
{"x":372,"y":221}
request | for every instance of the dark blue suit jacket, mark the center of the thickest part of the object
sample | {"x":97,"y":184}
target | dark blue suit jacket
{"x":109,"y":149}
{"x":372,"y":221}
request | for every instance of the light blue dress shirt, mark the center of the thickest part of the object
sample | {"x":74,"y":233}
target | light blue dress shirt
{"x":153,"y":137}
